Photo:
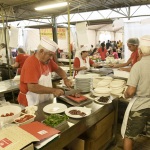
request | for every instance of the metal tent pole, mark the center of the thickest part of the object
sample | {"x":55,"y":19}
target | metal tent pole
{"x":69,"y":49}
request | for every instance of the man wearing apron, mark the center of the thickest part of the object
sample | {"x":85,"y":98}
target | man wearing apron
{"x":82,"y":62}
{"x":137,"y":116}
{"x":132,"y":44}
{"x":35,"y":81}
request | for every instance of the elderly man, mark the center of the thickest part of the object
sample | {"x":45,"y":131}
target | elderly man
{"x":133,"y":44}
{"x":137,"y":115}
{"x":35,"y":81}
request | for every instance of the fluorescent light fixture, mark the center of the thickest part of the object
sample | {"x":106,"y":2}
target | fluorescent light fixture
{"x":51,"y":6}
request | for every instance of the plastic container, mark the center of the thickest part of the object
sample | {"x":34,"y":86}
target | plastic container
{"x":25,"y":119}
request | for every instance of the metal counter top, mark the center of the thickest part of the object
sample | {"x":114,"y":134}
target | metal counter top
{"x":8,"y":86}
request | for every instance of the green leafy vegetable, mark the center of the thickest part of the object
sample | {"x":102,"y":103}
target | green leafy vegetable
{"x":55,"y":119}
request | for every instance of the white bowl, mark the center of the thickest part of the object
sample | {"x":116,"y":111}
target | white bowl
{"x":16,"y":110}
{"x":26,"y":119}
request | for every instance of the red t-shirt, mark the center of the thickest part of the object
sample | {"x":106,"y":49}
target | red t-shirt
{"x":115,"y":54}
{"x":31,"y":73}
{"x":21,"y":59}
{"x":134,"y":57}
{"x":76,"y":63}
{"x":102,"y":53}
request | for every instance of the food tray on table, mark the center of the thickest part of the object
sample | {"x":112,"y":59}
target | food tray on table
{"x":75,"y":103}
{"x":77,"y":99}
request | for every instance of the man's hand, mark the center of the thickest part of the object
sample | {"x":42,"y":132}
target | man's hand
{"x":58,"y":92}
{"x":68,"y":82}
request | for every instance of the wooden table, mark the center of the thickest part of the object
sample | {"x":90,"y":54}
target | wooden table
{"x":81,"y":125}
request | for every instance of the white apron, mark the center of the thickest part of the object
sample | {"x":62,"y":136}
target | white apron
{"x":34,"y":98}
{"x":126,"y":115}
{"x":83,"y":63}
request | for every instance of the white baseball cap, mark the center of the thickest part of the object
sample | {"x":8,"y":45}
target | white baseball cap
{"x":48,"y":44}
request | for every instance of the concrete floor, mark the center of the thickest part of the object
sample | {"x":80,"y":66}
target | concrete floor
{"x":142,"y":143}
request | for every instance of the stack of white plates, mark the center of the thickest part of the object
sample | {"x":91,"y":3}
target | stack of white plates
{"x":117,"y":87}
{"x":84,"y":83}
{"x":102,"y":81}
{"x":101,"y":91}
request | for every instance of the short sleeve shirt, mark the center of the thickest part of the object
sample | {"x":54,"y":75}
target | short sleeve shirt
{"x":102,"y":53}
{"x":76,"y":63}
{"x":31,"y":73}
{"x":140,"y":78}
{"x":134,"y":57}
{"x":21,"y":59}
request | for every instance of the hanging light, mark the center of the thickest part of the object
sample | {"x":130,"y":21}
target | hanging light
{"x":51,"y":6}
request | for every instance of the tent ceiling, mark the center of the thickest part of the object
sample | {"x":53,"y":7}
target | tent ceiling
{"x":14,"y":10}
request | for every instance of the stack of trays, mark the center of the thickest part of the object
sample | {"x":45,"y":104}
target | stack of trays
{"x":84,"y":83}
{"x":117,"y":87}
{"x":102,"y":91}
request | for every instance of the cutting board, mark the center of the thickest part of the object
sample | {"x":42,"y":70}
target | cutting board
{"x":74,"y":103}
{"x":77,"y":99}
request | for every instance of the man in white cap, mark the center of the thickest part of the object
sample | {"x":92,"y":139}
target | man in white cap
{"x":82,"y":62}
{"x":132,"y":44}
{"x":35,"y":81}
{"x":137,"y":116}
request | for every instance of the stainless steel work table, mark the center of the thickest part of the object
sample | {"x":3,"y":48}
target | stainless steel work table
{"x":11,"y":85}
{"x":68,"y":134}
{"x":8,"y":86}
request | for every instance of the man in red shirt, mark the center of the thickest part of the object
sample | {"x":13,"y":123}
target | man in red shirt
{"x":35,"y":82}
{"x":20,"y":59}
{"x":133,"y":44}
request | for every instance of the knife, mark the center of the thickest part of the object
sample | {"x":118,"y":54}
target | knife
{"x":72,"y":91}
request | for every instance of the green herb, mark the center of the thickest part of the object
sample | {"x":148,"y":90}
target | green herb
{"x":55,"y":119}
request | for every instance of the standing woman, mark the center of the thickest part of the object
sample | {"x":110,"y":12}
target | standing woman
{"x":132,"y":44}
{"x":103,"y":52}
{"x":20,"y":59}
{"x":82,"y":61}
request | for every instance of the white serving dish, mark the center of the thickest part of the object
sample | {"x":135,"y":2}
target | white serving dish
{"x":26,"y":121}
{"x":9,"y":109}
